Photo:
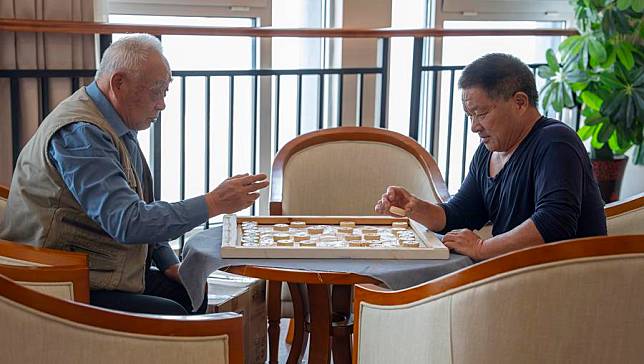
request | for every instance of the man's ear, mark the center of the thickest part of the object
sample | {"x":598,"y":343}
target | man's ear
{"x":117,"y":83}
{"x":521,"y":101}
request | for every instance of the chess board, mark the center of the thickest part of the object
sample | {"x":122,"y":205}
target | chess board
{"x":330,"y":237}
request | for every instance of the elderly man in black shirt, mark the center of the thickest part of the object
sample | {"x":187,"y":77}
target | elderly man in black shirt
{"x":531,"y":176}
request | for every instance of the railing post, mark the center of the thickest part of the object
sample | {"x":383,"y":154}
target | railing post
{"x":155,"y":147}
{"x":384,"y":80}
{"x":416,"y":73}
{"x":105,"y":40}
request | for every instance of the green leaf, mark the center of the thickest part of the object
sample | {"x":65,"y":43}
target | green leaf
{"x":592,"y":100}
{"x":596,"y":144}
{"x":625,"y":55}
{"x":570,"y":47}
{"x":553,"y":64}
{"x":545,"y":72}
{"x":623,"y":4}
{"x":638,"y":77}
{"x":613,"y":144}
{"x":546,"y":93}
{"x":630,"y":112}
{"x":638,"y":5}
{"x":567,"y":96}
{"x":586,"y":131}
{"x":605,"y":130}
{"x":639,"y":155}
{"x":638,"y":98}
{"x":610,"y":59}
{"x":597,"y":52}
{"x":611,"y":80}
{"x":595,"y":119}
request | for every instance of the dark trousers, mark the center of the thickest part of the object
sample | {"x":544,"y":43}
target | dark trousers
{"x":162,"y":296}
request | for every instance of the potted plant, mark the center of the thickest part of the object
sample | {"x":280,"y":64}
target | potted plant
{"x":602,"y":70}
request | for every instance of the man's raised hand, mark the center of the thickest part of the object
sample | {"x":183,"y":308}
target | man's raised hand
{"x":235,"y":193}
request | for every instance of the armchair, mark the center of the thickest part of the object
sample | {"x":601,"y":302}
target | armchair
{"x":344,"y":171}
{"x":574,"y":301}
{"x":40,"y":328}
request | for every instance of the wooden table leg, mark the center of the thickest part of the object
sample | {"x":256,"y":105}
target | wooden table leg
{"x":342,"y":323}
{"x":300,"y":313}
{"x":320,"y":313}
{"x":274,"y":308}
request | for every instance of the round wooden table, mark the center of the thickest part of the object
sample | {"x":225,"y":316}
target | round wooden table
{"x":321,"y":307}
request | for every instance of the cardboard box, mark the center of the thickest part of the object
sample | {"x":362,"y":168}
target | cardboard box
{"x":233,"y":293}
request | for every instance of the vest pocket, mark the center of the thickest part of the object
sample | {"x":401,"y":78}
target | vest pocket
{"x":97,"y":260}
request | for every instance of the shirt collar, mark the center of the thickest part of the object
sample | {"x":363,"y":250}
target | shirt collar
{"x":106,"y":108}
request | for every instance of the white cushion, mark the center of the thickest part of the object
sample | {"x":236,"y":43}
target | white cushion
{"x":348,"y":178}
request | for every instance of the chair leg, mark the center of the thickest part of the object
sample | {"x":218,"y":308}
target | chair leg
{"x":300,"y":313}
{"x":342,"y":323}
{"x":274,"y":308}
{"x":320,"y":315}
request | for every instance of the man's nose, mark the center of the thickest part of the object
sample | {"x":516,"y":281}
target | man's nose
{"x":160,"y":106}
{"x":476,"y":126}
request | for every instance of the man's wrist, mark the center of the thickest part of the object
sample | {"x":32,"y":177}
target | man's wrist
{"x":479,"y":249}
{"x":211,"y":204}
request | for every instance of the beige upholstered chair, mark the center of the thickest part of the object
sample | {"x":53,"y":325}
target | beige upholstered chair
{"x":4,"y":195}
{"x":61,"y":274}
{"x":626,"y":216}
{"x":37,"y":328}
{"x":344,"y":171}
{"x":577,"y":301}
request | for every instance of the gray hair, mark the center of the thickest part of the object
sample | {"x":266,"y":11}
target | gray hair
{"x":128,"y":55}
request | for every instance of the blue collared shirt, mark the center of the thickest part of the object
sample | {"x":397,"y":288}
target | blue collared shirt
{"x":89,"y":164}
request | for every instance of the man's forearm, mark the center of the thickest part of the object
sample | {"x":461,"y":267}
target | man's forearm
{"x":522,"y":236}
{"x":428,"y":214}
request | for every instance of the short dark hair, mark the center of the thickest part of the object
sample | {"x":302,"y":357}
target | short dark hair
{"x":500,"y":76}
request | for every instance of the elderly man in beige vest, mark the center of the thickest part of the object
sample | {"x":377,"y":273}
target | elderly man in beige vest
{"x":82,"y":184}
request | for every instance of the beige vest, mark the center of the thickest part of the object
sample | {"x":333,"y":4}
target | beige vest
{"x":42,"y":212}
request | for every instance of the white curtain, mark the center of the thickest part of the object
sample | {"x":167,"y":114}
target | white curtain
{"x":42,"y":51}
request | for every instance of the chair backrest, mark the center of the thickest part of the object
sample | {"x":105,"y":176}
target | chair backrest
{"x":57,"y":273}
{"x":344,"y":171}
{"x":4,"y":196}
{"x":576,"y":301}
{"x":625,"y":216}
{"x":39,"y":328}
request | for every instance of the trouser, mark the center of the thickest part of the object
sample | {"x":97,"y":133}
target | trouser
{"x":162,"y":296}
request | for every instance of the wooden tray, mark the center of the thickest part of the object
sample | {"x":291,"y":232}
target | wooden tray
{"x":231,"y":247}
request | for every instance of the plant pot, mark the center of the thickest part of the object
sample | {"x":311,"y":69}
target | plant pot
{"x":609,"y":174}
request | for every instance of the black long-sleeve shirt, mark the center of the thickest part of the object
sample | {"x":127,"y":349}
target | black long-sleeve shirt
{"x":548,"y":179}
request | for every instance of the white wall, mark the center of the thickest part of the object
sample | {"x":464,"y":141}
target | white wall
{"x":633,"y":178}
